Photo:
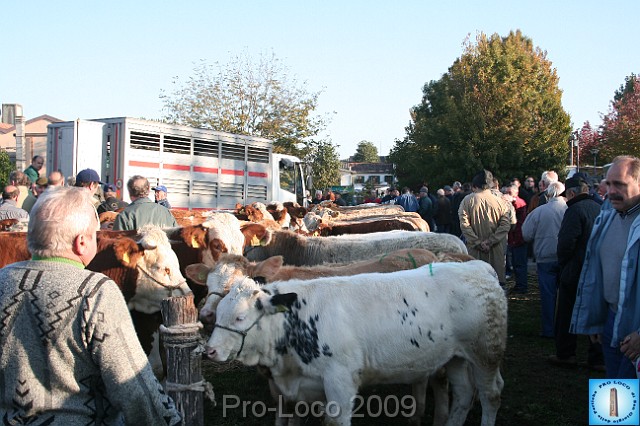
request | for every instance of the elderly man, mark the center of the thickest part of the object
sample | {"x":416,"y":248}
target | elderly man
{"x":608,"y":297}
{"x":142,"y":210}
{"x":161,"y":196}
{"x":41,"y":185}
{"x":542,"y":226}
{"x":69,"y":352}
{"x":56,"y":178}
{"x":33,"y":171}
{"x":485,"y":221}
{"x":9,"y":208}
{"x":21,"y":181}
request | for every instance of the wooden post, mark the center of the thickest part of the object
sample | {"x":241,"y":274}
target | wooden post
{"x":184,"y":370}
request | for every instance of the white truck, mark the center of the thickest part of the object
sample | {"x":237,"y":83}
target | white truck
{"x":202,"y":169}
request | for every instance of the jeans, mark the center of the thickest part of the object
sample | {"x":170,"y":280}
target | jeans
{"x":618,"y":366}
{"x":519,"y":262}
{"x":547,"y":275}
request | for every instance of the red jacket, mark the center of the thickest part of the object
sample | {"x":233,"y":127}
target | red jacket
{"x":515,"y":235}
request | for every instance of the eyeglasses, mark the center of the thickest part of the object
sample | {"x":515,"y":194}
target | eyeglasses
{"x":529,"y":180}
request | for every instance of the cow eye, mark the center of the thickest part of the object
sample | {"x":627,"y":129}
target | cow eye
{"x":167,"y":271}
{"x":240,"y":318}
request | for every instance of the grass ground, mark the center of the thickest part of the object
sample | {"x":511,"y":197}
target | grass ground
{"x":535,"y":392}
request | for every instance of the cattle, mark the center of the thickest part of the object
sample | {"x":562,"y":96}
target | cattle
{"x":326,"y":226}
{"x":325,"y":338}
{"x":220,"y":277}
{"x":301,"y":250}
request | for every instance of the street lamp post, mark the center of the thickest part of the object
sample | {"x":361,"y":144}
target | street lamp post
{"x":595,"y":152}
{"x":577,"y":145}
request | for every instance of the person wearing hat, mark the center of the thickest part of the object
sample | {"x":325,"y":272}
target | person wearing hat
{"x":161,"y":196}
{"x":90,"y":179}
{"x":142,"y":210}
{"x":111,"y":203}
{"x":573,"y":236}
{"x":426,"y":208}
{"x":41,"y":184}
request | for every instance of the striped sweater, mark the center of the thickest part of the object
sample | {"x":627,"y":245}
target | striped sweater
{"x":69,"y":354}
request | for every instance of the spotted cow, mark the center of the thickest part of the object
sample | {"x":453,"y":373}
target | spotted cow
{"x":323,"y":339}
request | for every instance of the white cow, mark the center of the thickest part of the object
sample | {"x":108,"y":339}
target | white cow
{"x":340,"y":333}
{"x":300,"y":250}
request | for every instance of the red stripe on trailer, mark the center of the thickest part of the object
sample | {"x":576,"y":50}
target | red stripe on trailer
{"x":176,"y":167}
{"x":201,"y":169}
{"x":258,"y":174}
{"x":143,"y":164}
{"x":232,"y":172}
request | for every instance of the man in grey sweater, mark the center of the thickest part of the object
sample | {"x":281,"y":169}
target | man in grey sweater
{"x":69,"y":354}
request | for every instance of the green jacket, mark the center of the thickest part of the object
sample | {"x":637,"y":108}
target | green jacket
{"x":141,"y":212}
{"x":32,"y":173}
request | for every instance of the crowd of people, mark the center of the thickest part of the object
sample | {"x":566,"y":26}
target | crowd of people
{"x":61,"y":352}
{"x":573,"y":231}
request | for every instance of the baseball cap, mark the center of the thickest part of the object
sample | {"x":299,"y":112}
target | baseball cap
{"x":43,"y":181}
{"x":573,"y":182}
{"x":110,"y":188}
{"x":88,"y":176}
{"x":160,"y":188}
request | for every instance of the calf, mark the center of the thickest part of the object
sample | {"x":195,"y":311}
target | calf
{"x":333,"y":335}
{"x":300,"y":250}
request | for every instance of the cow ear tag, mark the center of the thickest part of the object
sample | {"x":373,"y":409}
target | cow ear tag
{"x":255,"y":241}
{"x":125,"y":258}
{"x":194,"y":243}
{"x":281,"y":308}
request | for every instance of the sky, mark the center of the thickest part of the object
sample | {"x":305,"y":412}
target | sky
{"x":369,"y":59}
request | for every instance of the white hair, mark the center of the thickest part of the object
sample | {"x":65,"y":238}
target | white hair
{"x":555,"y":189}
{"x":57,"y":218}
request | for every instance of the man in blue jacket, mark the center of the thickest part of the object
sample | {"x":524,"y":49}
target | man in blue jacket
{"x":608,"y":298}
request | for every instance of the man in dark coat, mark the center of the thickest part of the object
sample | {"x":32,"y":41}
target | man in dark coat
{"x":111,"y":203}
{"x":573,"y":236}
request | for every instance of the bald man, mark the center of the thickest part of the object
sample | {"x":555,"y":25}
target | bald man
{"x":9,"y":208}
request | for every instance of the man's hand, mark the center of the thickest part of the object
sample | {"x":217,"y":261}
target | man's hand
{"x":630,"y":346}
{"x":485,"y":246}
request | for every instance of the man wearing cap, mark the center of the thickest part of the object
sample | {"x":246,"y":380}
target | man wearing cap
{"x":111,"y":203}
{"x":577,"y":223}
{"x":608,"y":298}
{"x":142,"y":210}
{"x":89,"y":178}
{"x":161,"y":196}
{"x":426,"y":208}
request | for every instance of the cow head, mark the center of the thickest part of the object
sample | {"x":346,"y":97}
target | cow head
{"x":219,"y":278}
{"x":220,"y":233}
{"x":237,"y":318}
{"x":255,"y":234}
{"x":159,"y":274}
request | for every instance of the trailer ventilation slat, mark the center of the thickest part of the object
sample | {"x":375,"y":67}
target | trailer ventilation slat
{"x":256,"y":192}
{"x":176,"y":186}
{"x":177,"y":145}
{"x":142,"y":140}
{"x":231,"y":190}
{"x":205,"y":148}
{"x":232,"y":151}
{"x":259,"y":155}
{"x":207,"y":188}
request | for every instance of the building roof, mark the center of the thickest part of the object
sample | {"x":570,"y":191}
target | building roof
{"x":372,"y":168}
{"x":6,"y":128}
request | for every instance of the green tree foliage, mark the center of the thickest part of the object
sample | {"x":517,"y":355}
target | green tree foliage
{"x":621,"y":126}
{"x":325,"y":165}
{"x":249,"y":98}
{"x":366,"y":153}
{"x":6,"y":167}
{"x":498,"y":107}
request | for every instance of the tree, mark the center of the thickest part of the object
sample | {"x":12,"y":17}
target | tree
{"x":6,"y":167}
{"x":244,"y":97}
{"x":588,"y":138}
{"x":498,"y":107}
{"x":366,"y":153}
{"x":621,"y":126}
{"x":325,"y":165}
